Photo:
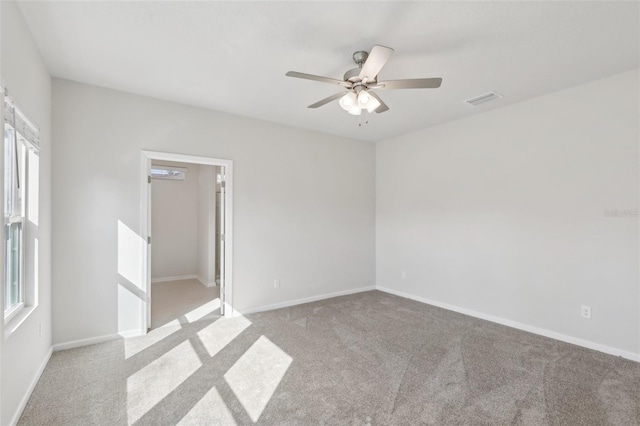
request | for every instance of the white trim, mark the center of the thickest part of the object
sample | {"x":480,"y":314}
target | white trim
{"x":520,"y":326}
{"x":14,"y":324}
{"x":85,"y":342}
{"x":131,"y":333}
{"x":184,"y":277}
{"x":95,"y":340}
{"x":303,"y":300}
{"x":176,"y":278}
{"x":32,"y":386}
{"x":145,"y":164}
{"x":13,"y":312}
{"x":3,"y":93}
{"x":204,"y":282}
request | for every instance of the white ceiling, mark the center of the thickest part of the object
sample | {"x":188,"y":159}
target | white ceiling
{"x":232,"y":56}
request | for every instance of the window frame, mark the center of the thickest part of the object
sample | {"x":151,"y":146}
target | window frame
{"x":12,"y":311}
{"x":22,"y":137}
{"x":14,"y":213}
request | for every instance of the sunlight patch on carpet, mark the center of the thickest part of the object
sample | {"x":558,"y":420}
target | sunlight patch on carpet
{"x":210,"y":410}
{"x":155,"y":381}
{"x":136,"y":345}
{"x":219,"y":334}
{"x":203,"y":310}
{"x":256,"y":375}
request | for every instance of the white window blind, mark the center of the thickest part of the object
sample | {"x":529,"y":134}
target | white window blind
{"x":22,"y":125}
{"x":168,"y":172}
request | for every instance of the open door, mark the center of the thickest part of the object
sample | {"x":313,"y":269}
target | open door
{"x":147,"y":319}
{"x":224,"y":175}
{"x":222,"y":210}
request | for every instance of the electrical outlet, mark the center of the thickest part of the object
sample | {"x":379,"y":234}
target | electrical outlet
{"x":276,"y":283}
{"x":403,"y":274}
{"x":586,"y":312}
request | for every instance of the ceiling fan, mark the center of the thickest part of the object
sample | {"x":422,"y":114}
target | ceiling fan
{"x":360,"y":82}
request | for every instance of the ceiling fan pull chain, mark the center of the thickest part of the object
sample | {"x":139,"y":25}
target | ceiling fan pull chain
{"x":364,"y":113}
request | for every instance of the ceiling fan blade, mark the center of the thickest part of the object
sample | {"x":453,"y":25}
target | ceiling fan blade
{"x":413,"y":83}
{"x":383,"y":107}
{"x":295,"y":74}
{"x":378,"y":56}
{"x":327,"y":100}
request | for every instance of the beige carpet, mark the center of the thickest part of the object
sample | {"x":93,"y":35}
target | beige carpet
{"x":369,"y":358}
{"x":181,"y":301}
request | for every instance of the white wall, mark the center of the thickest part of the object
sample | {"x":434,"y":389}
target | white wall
{"x":206,"y":223}
{"x":183,"y":224}
{"x":174,"y":224}
{"x":303,"y":204}
{"x":503,"y":213}
{"x":25,"y":350}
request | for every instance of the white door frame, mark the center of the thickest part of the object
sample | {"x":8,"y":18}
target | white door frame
{"x":145,"y":226}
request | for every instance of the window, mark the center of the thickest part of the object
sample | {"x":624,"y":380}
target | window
{"x":20,"y":152}
{"x":167,"y":172}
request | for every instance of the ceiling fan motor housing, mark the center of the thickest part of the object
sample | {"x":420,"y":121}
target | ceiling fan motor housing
{"x":352,"y":75}
{"x":359,"y":57}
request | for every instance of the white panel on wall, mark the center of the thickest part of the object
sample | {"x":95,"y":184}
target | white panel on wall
{"x":511,"y":213}
{"x":174,"y":224}
{"x":206,"y":223}
{"x":303,"y":201}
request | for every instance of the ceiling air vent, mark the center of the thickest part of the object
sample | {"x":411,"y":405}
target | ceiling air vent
{"x":483,"y":98}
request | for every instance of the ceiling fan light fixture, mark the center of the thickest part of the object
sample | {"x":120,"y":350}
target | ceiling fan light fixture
{"x":373,"y":104}
{"x":348,"y":101}
{"x":364,"y":98}
{"x":354,"y":110}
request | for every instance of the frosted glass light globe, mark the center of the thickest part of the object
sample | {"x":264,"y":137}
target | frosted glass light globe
{"x":372,"y":104}
{"x":348,"y":100}
{"x":354,"y":110}
{"x":363,"y":98}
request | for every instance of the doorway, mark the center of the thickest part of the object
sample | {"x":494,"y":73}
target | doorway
{"x":192,"y":256}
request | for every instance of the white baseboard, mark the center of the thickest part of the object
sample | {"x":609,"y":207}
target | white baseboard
{"x":177,"y":278}
{"x":304,"y":300}
{"x":131,"y":333}
{"x":32,"y":386}
{"x":184,"y":277}
{"x":520,"y":326}
{"x":95,"y":340}
{"x":204,"y":282}
{"x":85,"y":342}
{"x":230,"y":312}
